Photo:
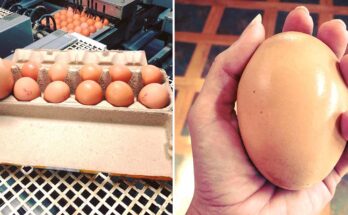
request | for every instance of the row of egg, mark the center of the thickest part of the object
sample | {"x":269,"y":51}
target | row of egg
{"x":70,"y":20}
{"x":118,"y":93}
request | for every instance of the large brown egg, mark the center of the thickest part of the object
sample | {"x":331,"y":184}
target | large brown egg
{"x":151,"y":74}
{"x":6,"y":78}
{"x":289,"y":101}
{"x":89,"y":93}
{"x":119,"y":94}
{"x":57,"y":92}
{"x":26,"y":89}
{"x":154,"y":96}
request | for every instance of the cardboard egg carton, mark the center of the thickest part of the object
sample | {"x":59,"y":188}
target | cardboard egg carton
{"x":133,"y":141}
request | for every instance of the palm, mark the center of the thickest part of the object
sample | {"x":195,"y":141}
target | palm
{"x":226,"y":181}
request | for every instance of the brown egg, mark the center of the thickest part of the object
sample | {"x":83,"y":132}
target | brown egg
{"x":289,"y":99}
{"x":154,"y":96}
{"x":70,"y":12}
{"x":77,"y":29}
{"x":90,"y":22}
{"x":64,"y":29}
{"x":92,"y":29}
{"x":63,"y":17}
{"x":89,"y":93}
{"x":76,"y":16}
{"x":85,"y":32}
{"x":119,"y":94}
{"x":70,"y":26}
{"x":26,"y":89}
{"x":76,"y":22}
{"x":57,"y":92}
{"x":63,"y":11}
{"x":70,"y":20}
{"x":98,"y":25}
{"x":30,"y":69}
{"x":83,"y":19}
{"x":6,"y":78}
{"x":151,"y":74}
{"x":58,"y":72}
{"x":64,"y":24}
{"x":119,"y":72}
{"x":90,"y":72}
{"x":97,"y":18}
{"x":105,"y":22}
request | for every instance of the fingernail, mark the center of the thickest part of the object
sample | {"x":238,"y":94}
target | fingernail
{"x":257,"y":19}
{"x":303,"y":8}
{"x":342,"y":23}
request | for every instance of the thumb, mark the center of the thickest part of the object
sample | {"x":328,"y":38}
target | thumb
{"x":220,"y":87}
{"x":342,"y":165}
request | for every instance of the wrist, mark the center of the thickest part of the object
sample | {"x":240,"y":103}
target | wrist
{"x":194,"y":208}
{"x":199,"y":206}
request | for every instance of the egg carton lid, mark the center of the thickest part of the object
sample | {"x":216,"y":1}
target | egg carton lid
{"x":102,"y":57}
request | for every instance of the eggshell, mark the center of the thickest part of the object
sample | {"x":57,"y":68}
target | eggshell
{"x":289,"y":99}
{"x":58,"y":72}
{"x":119,"y":72}
{"x":151,"y":74}
{"x":57,"y":92}
{"x":89,"y":93}
{"x":119,"y":94}
{"x":98,"y":25}
{"x":90,"y":72}
{"x":6,"y":78}
{"x":105,"y":22}
{"x":30,"y":69}
{"x":85,"y":32}
{"x":92,"y":29}
{"x":154,"y":96}
{"x":26,"y":89}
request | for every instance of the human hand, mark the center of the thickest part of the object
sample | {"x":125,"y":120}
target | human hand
{"x":226,"y":182}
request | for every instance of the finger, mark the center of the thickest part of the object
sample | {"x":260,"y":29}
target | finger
{"x":299,"y":20}
{"x":342,"y":165}
{"x":333,"y":33}
{"x":344,"y":125}
{"x":344,"y":68}
{"x":220,"y":87}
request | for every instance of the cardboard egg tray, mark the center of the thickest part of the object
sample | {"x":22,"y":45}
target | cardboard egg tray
{"x":132,"y":141}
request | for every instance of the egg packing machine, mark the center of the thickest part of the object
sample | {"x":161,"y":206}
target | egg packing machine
{"x":15,"y":32}
{"x":134,"y":25}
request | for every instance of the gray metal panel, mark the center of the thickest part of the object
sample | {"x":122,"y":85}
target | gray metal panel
{"x":45,"y":40}
{"x":15,"y":32}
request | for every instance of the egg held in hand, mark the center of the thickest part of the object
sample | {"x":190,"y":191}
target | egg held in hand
{"x":289,"y":100}
{"x":6,"y":78}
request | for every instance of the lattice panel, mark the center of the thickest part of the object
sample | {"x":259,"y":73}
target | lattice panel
{"x":41,"y":191}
